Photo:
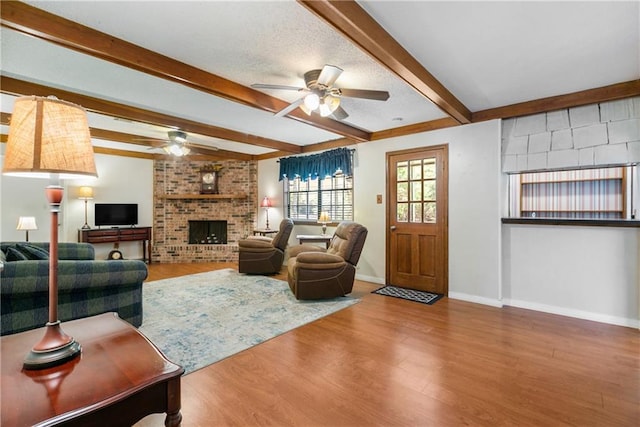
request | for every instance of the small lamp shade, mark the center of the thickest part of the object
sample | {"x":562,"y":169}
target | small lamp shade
{"x":85,"y":193}
{"x":27,"y":223}
{"x":47,"y":137}
{"x":324,"y":218}
{"x":266,"y":203}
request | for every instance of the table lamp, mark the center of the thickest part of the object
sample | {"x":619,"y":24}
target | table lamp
{"x":27,"y":223}
{"x":85,"y":193}
{"x":324,"y":219}
{"x":49,"y":138}
{"x":266,"y":204}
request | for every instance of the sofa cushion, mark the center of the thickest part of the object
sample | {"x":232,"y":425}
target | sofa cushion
{"x":32,"y":251}
{"x":13,"y":254}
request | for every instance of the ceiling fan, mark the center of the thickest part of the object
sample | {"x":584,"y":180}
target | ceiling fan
{"x":321,"y":96}
{"x":177,"y":144}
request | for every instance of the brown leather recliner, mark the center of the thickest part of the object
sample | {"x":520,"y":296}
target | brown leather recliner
{"x":316,"y":273}
{"x":264,"y":255}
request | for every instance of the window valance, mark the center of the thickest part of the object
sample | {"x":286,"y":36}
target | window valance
{"x":317,"y":165}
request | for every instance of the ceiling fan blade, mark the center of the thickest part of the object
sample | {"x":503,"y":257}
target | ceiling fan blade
{"x":339,"y":114}
{"x":282,"y":87}
{"x":377,"y":95}
{"x":329,"y":75}
{"x":290,"y":108}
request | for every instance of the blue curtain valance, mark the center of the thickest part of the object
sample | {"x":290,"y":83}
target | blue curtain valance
{"x":317,"y":165}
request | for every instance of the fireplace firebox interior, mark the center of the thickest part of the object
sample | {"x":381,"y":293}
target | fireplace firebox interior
{"x":208,"y":232}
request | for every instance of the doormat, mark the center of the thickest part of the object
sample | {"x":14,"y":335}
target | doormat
{"x":408,"y":294}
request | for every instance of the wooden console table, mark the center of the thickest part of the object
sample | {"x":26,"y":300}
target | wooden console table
{"x":314,"y":238}
{"x":119,"y":378}
{"x":117,"y":235}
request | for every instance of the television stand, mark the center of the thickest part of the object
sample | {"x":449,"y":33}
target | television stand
{"x":118,"y":235}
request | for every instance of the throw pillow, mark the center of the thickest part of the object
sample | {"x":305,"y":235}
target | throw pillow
{"x":14,"y":254}
{"x":32,"y":251}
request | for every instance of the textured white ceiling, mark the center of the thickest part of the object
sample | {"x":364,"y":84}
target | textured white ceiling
{"x":488,"y":54}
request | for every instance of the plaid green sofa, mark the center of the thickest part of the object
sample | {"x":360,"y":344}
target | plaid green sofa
{"x":86,"y":287}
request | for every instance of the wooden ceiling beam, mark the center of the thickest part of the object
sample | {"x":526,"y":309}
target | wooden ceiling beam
{"x":553,"y":103}
{"x":46,"y":26}
{"x":13,"y":86}
{"x":360,"y":28}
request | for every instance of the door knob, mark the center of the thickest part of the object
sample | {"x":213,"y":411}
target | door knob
{"x":393,"y":228}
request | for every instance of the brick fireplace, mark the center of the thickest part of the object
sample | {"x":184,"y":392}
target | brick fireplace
{"x":177,"y":202}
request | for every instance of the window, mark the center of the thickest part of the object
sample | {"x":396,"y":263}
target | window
{"x":306,"y":198}
{"x":602,"y":193}
{"x":416,"y":191}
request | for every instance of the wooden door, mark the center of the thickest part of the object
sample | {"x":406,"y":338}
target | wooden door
{"x":417,"y":218}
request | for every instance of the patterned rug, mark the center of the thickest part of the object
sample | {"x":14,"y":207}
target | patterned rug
{"x":408,"y":294}
{"x":200,"y":319}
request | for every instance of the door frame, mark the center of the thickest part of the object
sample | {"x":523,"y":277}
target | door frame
{"x":445,"y":207}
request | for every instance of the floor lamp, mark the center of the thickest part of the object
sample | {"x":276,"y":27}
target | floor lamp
{"x":49,"y":138}
{"x":85,"y":193}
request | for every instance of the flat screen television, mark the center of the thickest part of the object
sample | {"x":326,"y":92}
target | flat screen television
{"x":114,"y":214}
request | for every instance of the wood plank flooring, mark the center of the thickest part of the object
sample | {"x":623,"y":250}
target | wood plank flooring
{"x":391,"y":362}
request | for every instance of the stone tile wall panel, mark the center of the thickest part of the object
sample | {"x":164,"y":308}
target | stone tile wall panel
{"x":592,"y":135}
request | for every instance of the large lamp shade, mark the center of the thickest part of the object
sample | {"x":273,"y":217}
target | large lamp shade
{"x":48,"y":136}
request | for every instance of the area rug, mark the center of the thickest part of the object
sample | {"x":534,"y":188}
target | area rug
{"x":202,"y":318}
{"x":408,"y":294}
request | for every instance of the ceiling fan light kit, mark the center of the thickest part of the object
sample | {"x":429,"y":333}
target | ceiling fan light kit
{"x":177,"y":150}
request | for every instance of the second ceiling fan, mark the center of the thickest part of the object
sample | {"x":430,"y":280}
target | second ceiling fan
{"x":321,"y":96}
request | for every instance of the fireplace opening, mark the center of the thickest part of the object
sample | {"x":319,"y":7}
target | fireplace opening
{"x":208,"y":232}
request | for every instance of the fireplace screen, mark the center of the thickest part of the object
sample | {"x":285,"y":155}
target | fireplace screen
{"x":208,"y":232}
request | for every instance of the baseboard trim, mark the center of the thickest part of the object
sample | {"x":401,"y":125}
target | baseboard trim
{"x":579,"y":314}
{"x":371,"y":279}
{"x":474,"y":298}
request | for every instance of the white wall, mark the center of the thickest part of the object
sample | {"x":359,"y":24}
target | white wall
{"x":585,"y":272}
{"x":474,"y":205}
{"x":120,"y":180}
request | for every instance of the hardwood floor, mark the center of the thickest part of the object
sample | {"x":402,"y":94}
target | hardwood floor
{"x":390,"y":362}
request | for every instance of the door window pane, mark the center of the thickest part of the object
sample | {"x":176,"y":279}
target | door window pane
{"x":430,"y":190}
{"x":402,"y":210}
{"x":403,"y":191}
{"x":416,"y":212}
{"x":430,"y":212}
{"x":416,"y":191}
{"x":416,"y":169}
{"x":402,"y":171}
{"x":429,"y":168}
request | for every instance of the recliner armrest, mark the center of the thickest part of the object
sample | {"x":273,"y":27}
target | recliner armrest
{"x":296,"y":250}
{"x":318,"y":261}
{"x":255,"y":244}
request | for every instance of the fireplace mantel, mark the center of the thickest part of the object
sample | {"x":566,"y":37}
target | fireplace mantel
{"x":201,"y":196}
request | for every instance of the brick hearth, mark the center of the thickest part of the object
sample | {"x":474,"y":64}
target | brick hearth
{"x":171,"y":216}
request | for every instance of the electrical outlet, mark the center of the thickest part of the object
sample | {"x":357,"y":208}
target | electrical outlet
{"x":379,"y":199}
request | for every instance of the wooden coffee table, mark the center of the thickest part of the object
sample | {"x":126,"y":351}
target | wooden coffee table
{"x":119,"y":378}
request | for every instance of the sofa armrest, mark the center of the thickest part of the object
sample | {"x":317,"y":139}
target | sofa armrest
{"x":85,"y":288}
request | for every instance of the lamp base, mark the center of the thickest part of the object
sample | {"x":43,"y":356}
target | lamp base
{"x":324,"y":229}
{"x":86,"y":227}
{"x":54,"y":349}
